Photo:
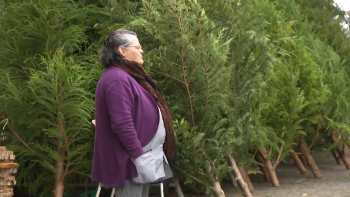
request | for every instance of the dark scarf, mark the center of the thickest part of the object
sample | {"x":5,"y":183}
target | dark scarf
{"x":138,"y":73}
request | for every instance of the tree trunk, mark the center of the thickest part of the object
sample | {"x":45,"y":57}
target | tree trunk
{"x":346,"y":149}
{"x":299,"y":164}
{"x":301,"y":156}
{"x":59,"y":179}
{"x":215,"y":184}
{"x":246,"y":177}
{"x":272,"y":172}
{"x":302,"y":159}
{"x":59,"y":168}
{"x":344,"y":157}
{"x":270,"y":169}
{"x":341,"y":151}
{"x":336,"y":157}
{"x":233,"y":180}
{"x":306,"y":153}
{"x":263,"y":169}
{"x":242,"y":184}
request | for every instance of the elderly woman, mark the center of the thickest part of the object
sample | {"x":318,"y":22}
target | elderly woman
{"x":134,"y":140}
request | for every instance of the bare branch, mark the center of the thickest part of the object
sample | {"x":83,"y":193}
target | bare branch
{"x":279,"y":156}
{"x":262,"y":153}
{"x":256,"y":150}
{"x":259,"y":163}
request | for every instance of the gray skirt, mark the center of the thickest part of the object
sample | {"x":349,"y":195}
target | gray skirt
{"x":131,"y":189}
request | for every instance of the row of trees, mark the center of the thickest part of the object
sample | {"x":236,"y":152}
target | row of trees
{"x":251,"y":80}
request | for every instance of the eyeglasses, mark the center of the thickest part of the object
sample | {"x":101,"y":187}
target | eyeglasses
{"x":139,"y":47}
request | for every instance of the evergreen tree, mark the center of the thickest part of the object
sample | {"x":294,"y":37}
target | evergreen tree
{"x":328,"y":22}
{"x":45,"y":97}
{"x":190,"y":65}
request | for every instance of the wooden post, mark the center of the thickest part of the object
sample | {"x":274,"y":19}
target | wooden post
{"x":242,"y":184}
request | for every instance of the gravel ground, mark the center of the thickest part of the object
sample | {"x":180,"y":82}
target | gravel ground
{"x":335,"y":181}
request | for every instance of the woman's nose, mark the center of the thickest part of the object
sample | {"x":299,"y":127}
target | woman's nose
{"x":141,"y":51}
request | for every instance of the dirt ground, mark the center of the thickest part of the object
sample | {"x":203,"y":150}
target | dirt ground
{"x":335,"y":181}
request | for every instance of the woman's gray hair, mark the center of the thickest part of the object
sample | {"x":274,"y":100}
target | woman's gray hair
{"x":109,"y":53}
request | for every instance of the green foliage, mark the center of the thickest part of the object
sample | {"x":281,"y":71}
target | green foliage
{"x":237,"y":75}
{"x":51,"y":112}
{"x":328,"y":22}
{"x":45,"y":91}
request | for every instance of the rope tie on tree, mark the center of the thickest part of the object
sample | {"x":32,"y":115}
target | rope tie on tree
{"x":6,"y":121}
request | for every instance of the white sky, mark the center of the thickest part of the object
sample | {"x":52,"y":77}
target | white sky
{"x":345,"y":4}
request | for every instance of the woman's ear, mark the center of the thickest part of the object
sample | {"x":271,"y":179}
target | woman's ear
{"x":122,"y":51}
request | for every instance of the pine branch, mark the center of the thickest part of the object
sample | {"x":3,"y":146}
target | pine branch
{"x":206,"y":156}
{"x":74,"y":136}
{"x":316,"y":134}
{"x":194,"y":178}
{"x":200,"y":128}
{"x":194,"y":68}
{"x":233,"y":81}
{"x":207,"y":97}
{"x":200,"y":48}
{"x":190,"y":102}
{"x":173,"y":50}
{"x":207,"y":125}
{"x":24,"y":70}
{"x":183,"y":64}
{"x":3,"y":116}
{"x":148,"y":7}
{"x":166,"y":62}
{"x":155,"y":40}
{"x":183,"y":97}
{"x":167,"y":75}
{"x":71,"y":172}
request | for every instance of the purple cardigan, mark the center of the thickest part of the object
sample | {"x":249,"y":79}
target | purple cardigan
{"x":127,"y":119}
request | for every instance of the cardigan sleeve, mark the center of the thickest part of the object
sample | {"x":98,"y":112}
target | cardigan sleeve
{"x":120,"y":100}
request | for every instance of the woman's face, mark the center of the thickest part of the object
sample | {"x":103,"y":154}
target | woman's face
{"x":133,"y":51}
